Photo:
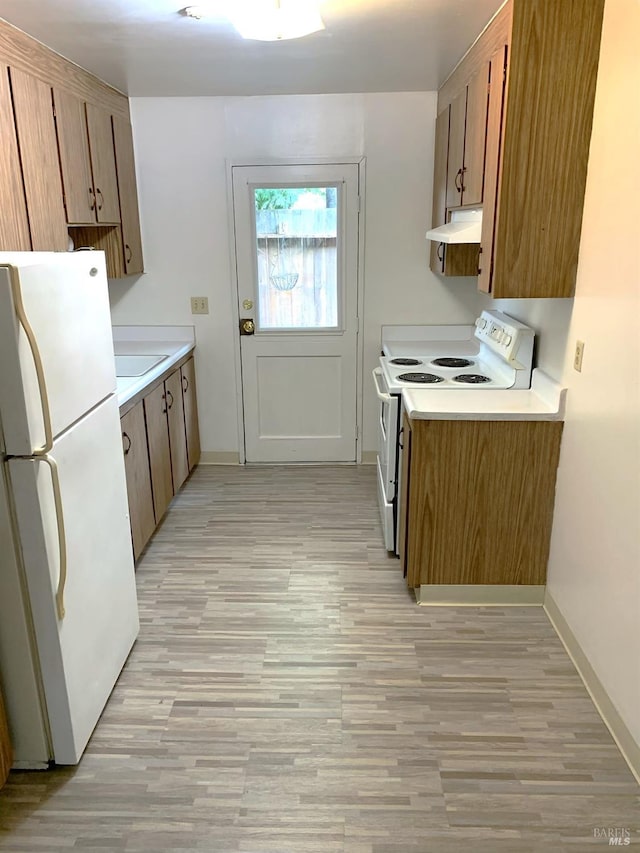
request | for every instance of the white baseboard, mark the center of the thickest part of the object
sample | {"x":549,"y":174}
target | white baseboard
{"x":627,"y":744}
{"x":223,"y":457}
{"x":478,"y":595}
{"x":219,"y":457}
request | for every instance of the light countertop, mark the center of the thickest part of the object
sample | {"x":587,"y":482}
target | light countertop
{"x":174,"y":342}
{"x":544,"y":401}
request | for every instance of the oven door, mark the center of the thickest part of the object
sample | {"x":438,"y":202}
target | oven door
{"x":387,"y":435}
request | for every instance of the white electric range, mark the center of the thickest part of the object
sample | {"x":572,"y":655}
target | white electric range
{"x":494,"y":353}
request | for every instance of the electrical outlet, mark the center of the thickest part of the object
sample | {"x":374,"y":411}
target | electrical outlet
{"x":199,"y":305}
{"x":577,"y":358}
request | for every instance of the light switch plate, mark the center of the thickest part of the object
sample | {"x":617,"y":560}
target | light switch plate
{"x":199,"y":305}
{"x":577,"y":358}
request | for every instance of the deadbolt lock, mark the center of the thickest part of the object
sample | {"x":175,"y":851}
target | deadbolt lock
{"x":247,"y":327}
{"x":247,"y":305}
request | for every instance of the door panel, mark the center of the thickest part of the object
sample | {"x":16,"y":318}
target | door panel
{"x":14,"y":226}
{"x":103,"y":164}
{"x":136,"y":464}
{"x":439,"y":208}
{"x":455,"y":156}
{"x":155,"y":412}
{"x":188,"y":371}
{"x":73,"y":145}
{"x":100,"y":619}
{"x":475,"y":136}
{"x":297,"y":262}
{"x":177,"y":436}
{"x":125,"y":164}
{"x":36,"y":131}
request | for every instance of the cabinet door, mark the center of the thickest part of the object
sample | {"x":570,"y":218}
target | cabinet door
{"x":405,"y":480}
{"x":155,"y":412}
{"x":14,"y":226}
{"x":73,"y":145}
{"x":40,"y":167}
{"x":497,"y":77}
{"x":439,"y":209}
{"x":129,"y":215}
{"x":177,"y":435}
{"x":190,"y":412}
{"x":475,"y":136}
{"x":6,"y":758}
{"x":136,"y":465}
{"x":103,"y":164}
{"x":455,"y":158}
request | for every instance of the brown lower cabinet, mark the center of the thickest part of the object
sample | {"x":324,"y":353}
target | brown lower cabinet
{"x":136,"y":465}
{"x":477,"y":501}
{"x":161,"y":444}
{"x":6,"y":753}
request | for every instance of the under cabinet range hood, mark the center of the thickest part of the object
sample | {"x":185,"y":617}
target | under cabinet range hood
{"x":465,"y":226}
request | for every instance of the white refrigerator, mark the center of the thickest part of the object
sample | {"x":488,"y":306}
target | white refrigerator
{"x":68,"y":607}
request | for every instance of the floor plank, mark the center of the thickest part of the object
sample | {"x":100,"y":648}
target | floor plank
{"x":287,"y":695}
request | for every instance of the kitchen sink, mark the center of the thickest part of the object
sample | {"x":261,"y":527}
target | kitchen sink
{"x":136,"y":365}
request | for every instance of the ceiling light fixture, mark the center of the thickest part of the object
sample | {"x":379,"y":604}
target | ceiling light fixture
{"x":193,"y":12}
{"x":275,"y":20}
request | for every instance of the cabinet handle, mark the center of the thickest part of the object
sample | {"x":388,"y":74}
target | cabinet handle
{"x":185,"y":384}
{"x":169,"y":394}
{"x":128,"y":447}
{"x":462,"y":186}
{"x":92,"y":199}
{"x":164,"y":408}
{"x":128,"y":253}
{"x":400,"y":434}
{"x":458,"y":185}
{"x":440,"y":252}
{"x":101,"y":202}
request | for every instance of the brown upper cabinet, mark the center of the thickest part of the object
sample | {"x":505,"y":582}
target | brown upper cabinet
{"x":467,"y":131}
{"x":126,"y":170}
{"x":36,"y":134}
{"x":458,"y":173}
{"x":539,"y":62}
{"x":62,"y":130}
{"x":14,"y":225}
{"x":87,"y":161}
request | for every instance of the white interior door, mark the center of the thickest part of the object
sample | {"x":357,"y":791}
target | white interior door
{"x":296,"y":229}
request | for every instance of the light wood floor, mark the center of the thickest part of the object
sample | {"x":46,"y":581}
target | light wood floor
{"x":287,"y":695}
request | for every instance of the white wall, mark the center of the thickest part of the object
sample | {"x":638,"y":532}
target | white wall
{"x":182,"y":145}
{"x":594,"y":568}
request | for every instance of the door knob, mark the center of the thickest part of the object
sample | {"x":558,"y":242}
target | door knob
{"x":247,"y":327}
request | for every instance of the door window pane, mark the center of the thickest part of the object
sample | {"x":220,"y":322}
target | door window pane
{"x":296,"y":245}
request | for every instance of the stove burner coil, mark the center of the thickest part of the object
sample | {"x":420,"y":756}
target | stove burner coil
{"x":471,"y":378}
{"x":406,"y":362}
{"x":422,"y":378}
{"x":452,"y":362}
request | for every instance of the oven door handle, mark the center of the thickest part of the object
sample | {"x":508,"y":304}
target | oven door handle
{"x":382,"y":395}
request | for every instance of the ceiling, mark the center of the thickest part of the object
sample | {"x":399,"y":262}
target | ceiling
{"x":148,"y":48}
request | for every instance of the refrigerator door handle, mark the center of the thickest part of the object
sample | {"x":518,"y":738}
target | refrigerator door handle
{"x":37,"y":361}
{"x":62,"y":539}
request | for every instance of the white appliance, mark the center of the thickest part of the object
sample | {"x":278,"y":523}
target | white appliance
{"x":68,"y":607}
{"x":494,"y":353}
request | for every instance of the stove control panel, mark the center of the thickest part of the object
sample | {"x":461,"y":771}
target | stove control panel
{"x":510,"y":339}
